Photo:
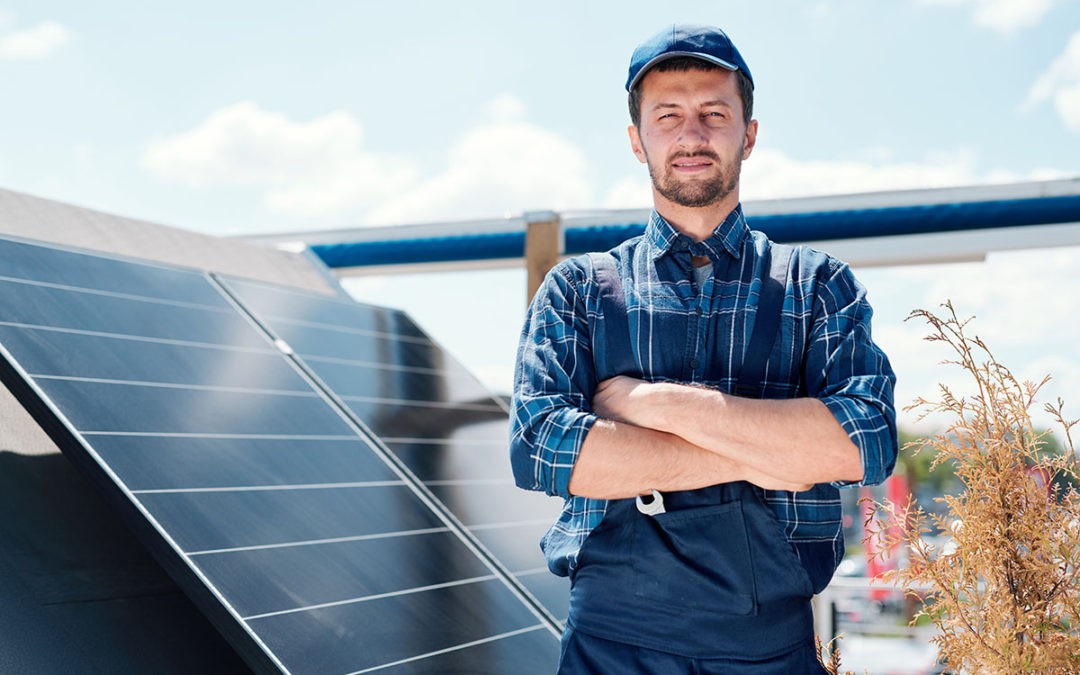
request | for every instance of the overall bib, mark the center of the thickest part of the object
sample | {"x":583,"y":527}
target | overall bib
{"x":712,"y":577}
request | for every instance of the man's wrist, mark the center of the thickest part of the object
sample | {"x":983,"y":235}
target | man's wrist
{"x":727,"y":470}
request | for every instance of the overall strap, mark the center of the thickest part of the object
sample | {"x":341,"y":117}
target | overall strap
{"x":766,"y":322}
{"x":614,"y":343}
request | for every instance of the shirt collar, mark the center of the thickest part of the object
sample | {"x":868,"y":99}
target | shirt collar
{"x":727,"y":237}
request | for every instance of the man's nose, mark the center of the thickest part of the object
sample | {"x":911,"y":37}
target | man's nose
{"x":692,"y":134}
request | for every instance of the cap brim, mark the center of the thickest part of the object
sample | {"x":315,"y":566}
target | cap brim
{"x":644,"y":70}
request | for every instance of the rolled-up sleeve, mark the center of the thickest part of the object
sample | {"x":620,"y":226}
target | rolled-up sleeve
{"x":554,"y":382}
{"x":850,"y":374}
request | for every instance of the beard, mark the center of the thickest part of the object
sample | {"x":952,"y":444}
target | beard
{"x":695,"y":192}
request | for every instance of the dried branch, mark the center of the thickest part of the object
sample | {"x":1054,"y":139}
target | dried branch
{"x":1007,"y":600}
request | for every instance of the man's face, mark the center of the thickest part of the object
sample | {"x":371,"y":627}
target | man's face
{"x":692,"y":135}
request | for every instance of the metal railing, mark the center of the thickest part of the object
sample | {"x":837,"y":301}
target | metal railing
{"x":871,"y":618}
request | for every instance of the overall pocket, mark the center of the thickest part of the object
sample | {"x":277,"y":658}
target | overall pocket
{"x":695,"y":558}
{"x":777,"y":564}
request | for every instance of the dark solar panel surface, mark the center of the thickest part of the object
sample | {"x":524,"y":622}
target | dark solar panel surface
{"x":428,"y":411}
{"x":308,"y":550}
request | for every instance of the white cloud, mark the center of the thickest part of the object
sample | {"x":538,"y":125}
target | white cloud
{"x":1064,"y":371}
{"x":1067,"y":102}
{"x":1008,"y":16}
{"x":770,"y":173}
{"x":1060,"y":83}
{"x":504,"y":165}
{"x":1007,"y":285}
{"x":630,"y":193}
{"x":1030,"y":330}
{"x":922,"y":378}
{"x":1004,"y":16}
{"x":34,"y":43}
{"x":920,"y":372}
{"x":1014,"y":284}
{"x":505,"y":108}
{"x":321,"y":169}
{"x":308,"y":168}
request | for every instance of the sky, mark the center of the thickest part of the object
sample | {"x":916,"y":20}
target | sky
{"x":234,"y":118}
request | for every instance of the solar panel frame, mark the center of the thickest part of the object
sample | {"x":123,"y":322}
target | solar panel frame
{"x":175,"y":558}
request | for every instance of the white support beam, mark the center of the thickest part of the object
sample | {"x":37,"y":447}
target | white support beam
{"x":946,"y":247}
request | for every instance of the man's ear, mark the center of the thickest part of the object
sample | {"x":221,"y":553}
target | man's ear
{"x":635,"y":143}
{"x":750,"y":139}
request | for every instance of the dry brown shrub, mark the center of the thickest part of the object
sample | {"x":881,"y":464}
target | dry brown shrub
{"x":828,"y":656}
{"x":1007,"y":599}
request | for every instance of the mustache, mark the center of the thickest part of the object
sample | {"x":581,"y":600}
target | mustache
{"x":683,"y":154}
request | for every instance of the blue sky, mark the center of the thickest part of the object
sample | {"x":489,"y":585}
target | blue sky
{"x":244,"y":117}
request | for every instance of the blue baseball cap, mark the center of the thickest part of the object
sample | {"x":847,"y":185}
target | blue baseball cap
{"x":707,"y":43}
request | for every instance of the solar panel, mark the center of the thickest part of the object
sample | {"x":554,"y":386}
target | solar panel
{"x":309,"y":548}
{"x":426,"y":410}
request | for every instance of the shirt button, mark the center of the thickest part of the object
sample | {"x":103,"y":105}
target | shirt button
{"x":697,"y":310}
{"x":694,"y":363}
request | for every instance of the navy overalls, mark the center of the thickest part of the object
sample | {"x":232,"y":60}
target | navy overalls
{"x":709,"y":585}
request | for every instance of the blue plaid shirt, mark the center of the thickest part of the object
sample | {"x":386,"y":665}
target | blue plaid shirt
{"x":682,"y":333}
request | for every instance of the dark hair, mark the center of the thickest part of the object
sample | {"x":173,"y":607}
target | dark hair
{"x":683,"y":63}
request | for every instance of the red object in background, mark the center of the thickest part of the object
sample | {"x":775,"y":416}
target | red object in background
{"x":1041,"y":476}
{"x":897,"y":493}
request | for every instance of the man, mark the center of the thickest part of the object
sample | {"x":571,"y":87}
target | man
{"x":697,"y":395}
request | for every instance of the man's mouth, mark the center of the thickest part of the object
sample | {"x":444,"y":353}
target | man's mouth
{"x":692,"y":163}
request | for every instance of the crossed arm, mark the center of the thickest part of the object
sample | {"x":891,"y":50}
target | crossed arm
{"x":668,"y":436}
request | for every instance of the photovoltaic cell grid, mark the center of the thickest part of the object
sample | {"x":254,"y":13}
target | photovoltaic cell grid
{"x":422,"y":406}
{"x":309,"y":551}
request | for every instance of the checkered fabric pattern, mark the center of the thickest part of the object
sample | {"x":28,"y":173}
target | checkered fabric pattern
{"x":683,"y":332}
